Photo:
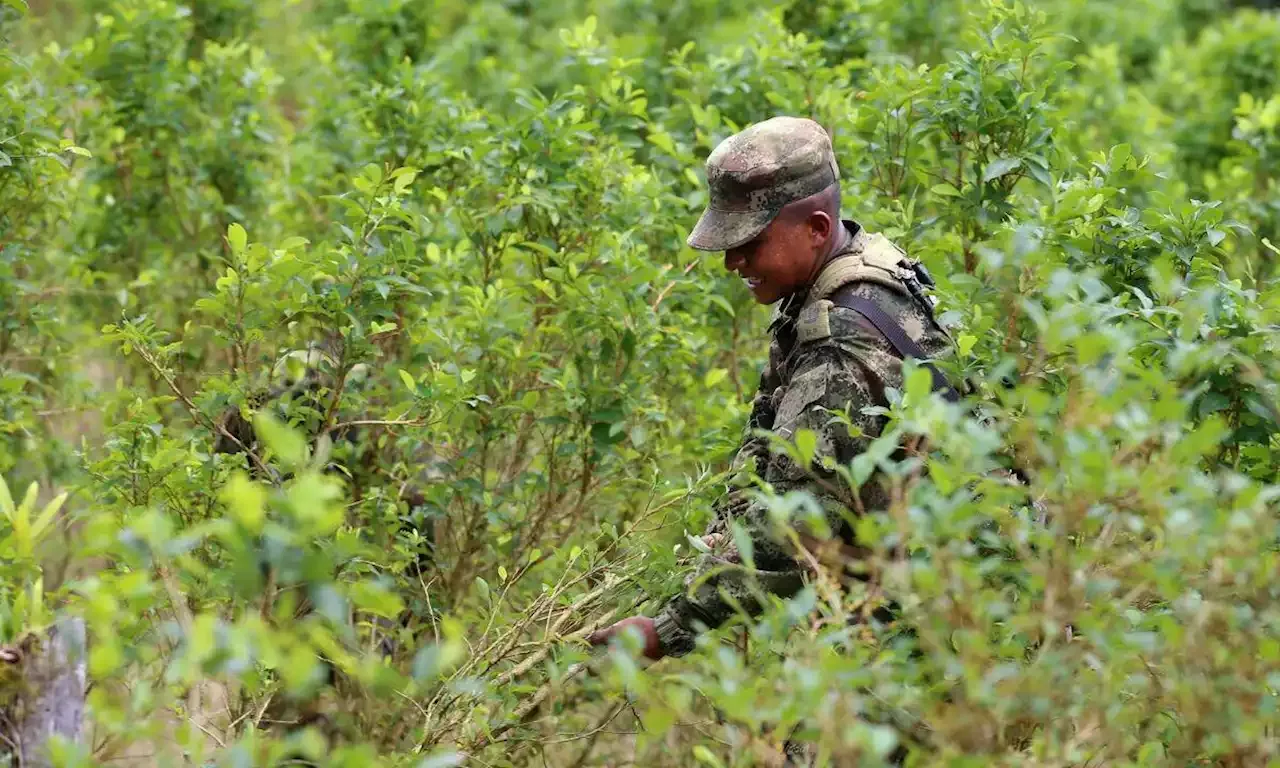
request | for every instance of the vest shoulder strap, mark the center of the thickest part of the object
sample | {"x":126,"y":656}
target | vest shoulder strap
{"x":869,"y":258}
{"x":896,"y":336}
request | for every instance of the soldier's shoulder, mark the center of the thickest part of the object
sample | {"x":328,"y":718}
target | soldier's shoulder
{"x":831,"y":322}
{"x":891,"y":300}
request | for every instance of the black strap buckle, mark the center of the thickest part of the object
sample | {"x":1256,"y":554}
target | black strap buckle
{"x":922,"y":273}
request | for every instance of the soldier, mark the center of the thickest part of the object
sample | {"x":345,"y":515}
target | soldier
{"x":849,"y":305}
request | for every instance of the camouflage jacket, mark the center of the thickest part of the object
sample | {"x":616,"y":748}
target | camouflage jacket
{"x":822,"y":358}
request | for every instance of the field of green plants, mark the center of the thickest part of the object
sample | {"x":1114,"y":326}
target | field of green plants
{"x":469,"y":217}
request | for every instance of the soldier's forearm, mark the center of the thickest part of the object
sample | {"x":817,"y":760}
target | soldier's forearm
{"x":718,"y":598}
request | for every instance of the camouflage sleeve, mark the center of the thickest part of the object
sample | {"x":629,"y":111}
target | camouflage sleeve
{"x":830,"y":377}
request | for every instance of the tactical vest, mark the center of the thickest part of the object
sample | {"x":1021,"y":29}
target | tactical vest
{"x":872,"y":258}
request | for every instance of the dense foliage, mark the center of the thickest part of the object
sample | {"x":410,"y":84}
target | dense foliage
{"x":469,"y":219}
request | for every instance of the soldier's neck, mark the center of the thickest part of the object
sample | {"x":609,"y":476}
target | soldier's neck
{"x":836,"y":245}
{"x":839,"y":243}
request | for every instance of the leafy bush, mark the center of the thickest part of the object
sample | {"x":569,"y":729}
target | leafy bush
{"x":513,"y":390}
{"x":1230,"y":57}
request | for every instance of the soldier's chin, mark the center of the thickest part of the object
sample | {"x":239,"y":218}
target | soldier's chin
{"x":766,"y":293}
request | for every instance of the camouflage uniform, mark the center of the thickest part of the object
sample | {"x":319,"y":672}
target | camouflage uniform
{"x":823,"y":358}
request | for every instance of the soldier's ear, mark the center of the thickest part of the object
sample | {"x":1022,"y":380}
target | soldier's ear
{"x":820,"y":225}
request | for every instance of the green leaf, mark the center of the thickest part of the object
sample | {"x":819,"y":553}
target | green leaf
{"x":1151,"y":753}
{"x":663,"y":141}
{"x":806,"y":444}
{"x":373,"y":598}
{"x":714,"y":377}
{"x":723,"y":303}
{"x":286,"y":443}
{"x":313,"y":502}
{"x":964,"y":344}
{"x":945,"y":190}
{"x":999,"y":167}
{"x":704,"y":756}
{"x":639,"y":435}
{"x":942,"y":477}
{"x":403,"y":178}
{"x":246,"y":500}
{"x":237,"y":238}
{"x":6,"y":500}
{"x":105,"y":656}
{"x":918,"y":385}
{"x":19,"y":5}
{"x":46,"y":516}
{"x":1120,"y":155}
{"x":1213,"y":402}
{"x":743,"y":542}
{"x":408,"y":380}
{"x":605,"y":433}
{"x":21,"y":518}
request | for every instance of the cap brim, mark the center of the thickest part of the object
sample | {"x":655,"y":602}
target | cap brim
{"x":719,"y":230}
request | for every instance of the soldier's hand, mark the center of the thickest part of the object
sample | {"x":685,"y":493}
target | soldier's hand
{"x":642,"y":624}
{"x":724,"y":543}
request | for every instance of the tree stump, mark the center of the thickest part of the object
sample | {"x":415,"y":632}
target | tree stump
{"x":45,"y":682}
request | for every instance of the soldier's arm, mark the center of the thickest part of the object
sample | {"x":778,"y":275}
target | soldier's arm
{"x":830,"y":378}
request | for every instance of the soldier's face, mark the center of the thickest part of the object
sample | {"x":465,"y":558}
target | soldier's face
{"x":778,"y":262}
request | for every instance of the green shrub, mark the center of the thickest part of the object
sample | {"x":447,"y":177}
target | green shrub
{"x":474,"y":216}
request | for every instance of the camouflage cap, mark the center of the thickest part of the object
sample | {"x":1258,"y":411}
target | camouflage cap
{"x":754,"y":173}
